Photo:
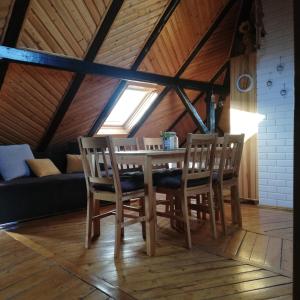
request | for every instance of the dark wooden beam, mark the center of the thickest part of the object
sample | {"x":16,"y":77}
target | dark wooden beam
{"x":79,"y":77}
{"x":115,"y":96}
{"x":108,"y":108}
{"x":74,"y":65}
{"x":13,"y":30}
{"x":197,"y":49}
{"x":191,"y":109}
{"x":159,"y":98}
{"x":200,"y":95}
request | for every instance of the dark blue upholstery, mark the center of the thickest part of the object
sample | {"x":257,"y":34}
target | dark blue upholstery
{"x":134,"y":180}
{"x":173,"y":181}
{"x":128,"y":184}
{"x":225,"y":177}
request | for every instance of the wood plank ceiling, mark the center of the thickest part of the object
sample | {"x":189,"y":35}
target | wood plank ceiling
{"x":30,"y":96}
{"x":204,"y":66}
{"x":5,"y":8}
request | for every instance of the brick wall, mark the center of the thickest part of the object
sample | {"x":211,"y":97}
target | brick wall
{"x":275,"y":133}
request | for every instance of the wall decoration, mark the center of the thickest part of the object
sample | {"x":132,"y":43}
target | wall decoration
{"x":244,"y":83}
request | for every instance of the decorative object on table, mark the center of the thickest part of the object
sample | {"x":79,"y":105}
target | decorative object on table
{"x":170,"y":140}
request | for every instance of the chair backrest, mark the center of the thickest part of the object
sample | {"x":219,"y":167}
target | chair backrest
{"x":96,"y":151}
{"x":153,"y":143}
{"x":219,"y":147}
{"x":231,"y":154}
{"x":126,"y":144}
{"x":199,"y":157}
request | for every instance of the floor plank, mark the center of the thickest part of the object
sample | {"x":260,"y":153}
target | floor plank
{"x":242,"y":265}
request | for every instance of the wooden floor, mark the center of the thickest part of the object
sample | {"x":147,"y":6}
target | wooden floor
{"x":45,"y":259}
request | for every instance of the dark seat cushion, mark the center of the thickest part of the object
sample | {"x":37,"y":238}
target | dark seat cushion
{"x":225,"y":177}
{"x":129,"y":183}
{"x":134,"y":180}
{"x":174,"y":181}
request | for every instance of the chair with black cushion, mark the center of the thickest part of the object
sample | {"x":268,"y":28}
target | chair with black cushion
{"x":196,"y":179}
{"x":227,"y":176}
{"x":106,"y":184}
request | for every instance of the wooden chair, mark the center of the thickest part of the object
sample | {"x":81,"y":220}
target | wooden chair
{"x":106,"y":185}
{"x":157,"y":144}
{"x":227,"y":176}
{"x":196,"y":178}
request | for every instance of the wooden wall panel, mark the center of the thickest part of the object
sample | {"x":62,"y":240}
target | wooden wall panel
{"x":64,"y":27}
{"x":28,"y":100}
{"x":215,"y":52}
{"x":245,"y":104}
{"x":89,"y":101}
{"x":161,"y":118}
{"x":188,"y":23}
{"x":5,"y":9}
{"x":129,"y":32}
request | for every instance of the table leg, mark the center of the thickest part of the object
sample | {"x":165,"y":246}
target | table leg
{"x":150,"y":208}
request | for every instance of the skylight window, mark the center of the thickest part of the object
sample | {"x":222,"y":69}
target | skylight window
{"x":131,"y":106}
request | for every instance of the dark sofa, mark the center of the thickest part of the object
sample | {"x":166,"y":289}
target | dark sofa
{"x":32,"y":197}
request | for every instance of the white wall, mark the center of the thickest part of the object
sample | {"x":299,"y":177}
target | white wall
{"x":275,"y":135}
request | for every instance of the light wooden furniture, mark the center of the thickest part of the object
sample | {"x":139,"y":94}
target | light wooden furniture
{"x":227,"y":176}
{"x":157,"y":144}
{"x":148,"y":158}
{"x":153,"y":143}
{"x":126,"y":144}
{"x":106,"y":185}
{"x":196,"y":178}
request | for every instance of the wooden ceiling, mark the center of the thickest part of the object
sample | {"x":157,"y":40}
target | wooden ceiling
{"x":31,"y":96}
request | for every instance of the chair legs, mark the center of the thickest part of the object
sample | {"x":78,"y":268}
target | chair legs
{"x":185,"y":213}
{"x":218,"y":190}
{"x":212,"y":214}
{"x":235,"y":202}
{"x":142,"y":213}
{"x":118,"y":227}
{"x":89,"y":220}
{"x":96,"y":222}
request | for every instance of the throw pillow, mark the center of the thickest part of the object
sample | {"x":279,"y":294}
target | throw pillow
{"x":13,"y":161}
{"x":43,"y":167}
{"x":74,"y":163}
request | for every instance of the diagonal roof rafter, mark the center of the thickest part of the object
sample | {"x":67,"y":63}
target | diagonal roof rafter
{"x":193,"y":54}
{"x":13,"y":30}
{"x":121,"y":86}
{"x":79,"y":77}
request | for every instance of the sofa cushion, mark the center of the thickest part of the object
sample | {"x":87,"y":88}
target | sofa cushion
{"x":13,"y":161}
{"x":42,"y":167}
{"x":74,"y":163}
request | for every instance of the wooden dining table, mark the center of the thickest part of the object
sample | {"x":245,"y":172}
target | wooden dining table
{"x":147,"y":159}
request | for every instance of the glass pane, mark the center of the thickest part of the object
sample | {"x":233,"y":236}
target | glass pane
{"x":127,"y":104}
